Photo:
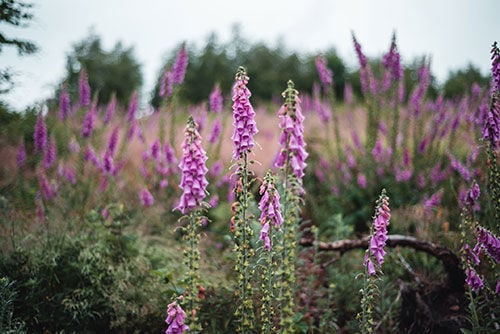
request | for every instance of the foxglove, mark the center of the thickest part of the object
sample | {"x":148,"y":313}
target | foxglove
{"x":243,"y":114}
{"x":193,"y":169}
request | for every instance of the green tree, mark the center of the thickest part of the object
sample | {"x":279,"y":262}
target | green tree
{"x":116,"y":71}
{"x":17,"y":14}
{"x":460,"y":82}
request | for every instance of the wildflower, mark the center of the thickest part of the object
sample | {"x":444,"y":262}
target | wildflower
{"x":169,"y":154}
{"x":147,"y":199}
{"x":215,"y":131}
{"x":424,"y":79}
{"x":392,"y":64}
{"x":108,"y":164}
{"x":64,"y":103}
{"x":84,"y":89}
{"x":73,"y":145}
{"x":113,"y":141}
{"x":215,"y":101}
{"x":495,"y":67}
{"x":362,"y":183}
{"x":324,"y":111}
{"x":243,"y":114}
{"x":193,"y":169}
{"x":433,"y":201}
{"x":40,"y":134}
{"x":471,"y":254}
{"x":472,"y":195}
{"x":175,"y":319}
{"x":380,"y":223}
{"x":155,"y":149}
{"x":497,"y":288}
{"x":89,"y":122}
{"x":166,"y":84}
{"x":180,"y":65}
{"x":110,"y":110}
{"x":48,"y":189}
{"x":325,"y":74}
{"x":216,"y":169}
{"x":21,"y":155}
{"x":473,"y":279}
{"x":132,"y":107}
{"x":292,"y":134}
{"x":491,"y":127}
{"x":264,"y":236}
{"x":269,"y":206}
{"x":370,"y":267}
{"x":459,"y":167}
{"x":49,"y":155}
{"x":490,"y":243}
{"x":365,"y":72}
{"x":91,"y":156}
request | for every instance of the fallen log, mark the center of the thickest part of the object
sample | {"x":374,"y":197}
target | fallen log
{"x":450,"y":260}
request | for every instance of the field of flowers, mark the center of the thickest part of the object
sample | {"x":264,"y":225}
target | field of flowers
{"x":372,"y":214}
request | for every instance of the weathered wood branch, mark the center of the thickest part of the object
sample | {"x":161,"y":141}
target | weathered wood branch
{"x":449,"y":259}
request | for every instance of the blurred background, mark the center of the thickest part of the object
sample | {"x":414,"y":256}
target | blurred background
{"x":138,"y":41}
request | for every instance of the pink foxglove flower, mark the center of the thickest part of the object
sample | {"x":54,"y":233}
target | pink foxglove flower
{"x":392,"y":64}
{"x":49,"y":155}
{"x":473,"y":279}
{"x":215,"y":131}
{"x":490,"y":243}
{"x":113,"y":141}
{"x":84,"y":89}
{"x":215,"y":101}
{"x":291,"y":140}
{"x":110,"y":110}
{"x":325,"y":74}
{"x":269,"y":206}
{"x":64,"y":103}
{"x":180,"y":66}
{"x":175,"y":319}
{"x":243,"y":114}
{"x":193,"y":169}
{"x":146,"y":198}
{"x":132,"y":107}
{"x":89,"y":122}
{"x":166,"y":84}
{"x":40,"y":134}
{"x":379,"y":234}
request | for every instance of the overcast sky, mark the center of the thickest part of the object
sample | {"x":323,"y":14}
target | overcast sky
{"x":453,"y":32}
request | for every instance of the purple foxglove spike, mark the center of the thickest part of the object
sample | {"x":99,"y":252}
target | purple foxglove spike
{"x":243,"y":114}
{"x":215,"y":131}
{"x":146,"y":198}
{"x":292,"y":136}
{"x":180,"y":66}
{"x":325,"y":74}
{"x":110,"y":110}
{"x":84,"y":89}
{"x":473,"y":280}
{"x":193,"y":170}
{"x":64,"y":103}
{"x":49,"y":155}
{"x":40,"y":134}
{"x":379,"y":234}
{"x":132,"y":107}
{"x":175,"y":319}
{"x":89,"y":122}
{"x":216,"y":101}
